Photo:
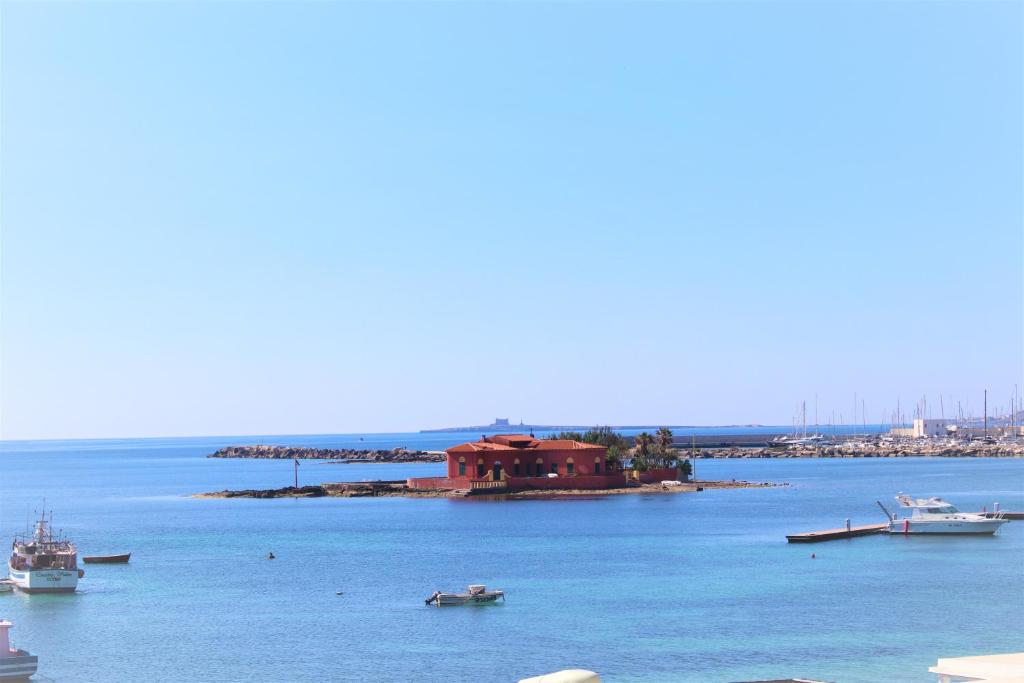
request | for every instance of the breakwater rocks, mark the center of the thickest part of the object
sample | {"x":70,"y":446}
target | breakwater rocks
{"x":875,"y":450}
{"x":338,"y":454}
{"x":400,"y":489}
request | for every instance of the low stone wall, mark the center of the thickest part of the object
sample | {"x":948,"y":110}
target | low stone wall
{"x":658,"y":475}
{"x":437,"y":483}
{"x":581,"y":481}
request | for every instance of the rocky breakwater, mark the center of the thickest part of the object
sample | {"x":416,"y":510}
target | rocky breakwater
{"x":872,"y":449}
{"x":337,"y":454}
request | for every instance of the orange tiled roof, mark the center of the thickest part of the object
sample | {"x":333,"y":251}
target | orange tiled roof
{"x":518,"y":442}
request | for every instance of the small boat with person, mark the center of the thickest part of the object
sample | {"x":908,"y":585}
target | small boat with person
{"x":107,"y":559}
{"x":937,"y":516}
{"x":476,"y":595}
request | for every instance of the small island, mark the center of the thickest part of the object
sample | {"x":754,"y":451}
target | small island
{"x":597,"y":462}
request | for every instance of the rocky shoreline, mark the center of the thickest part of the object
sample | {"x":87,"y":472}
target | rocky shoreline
{"x":378,"y":489}
{"x":340,"y":455}
{"x":873,"y":450}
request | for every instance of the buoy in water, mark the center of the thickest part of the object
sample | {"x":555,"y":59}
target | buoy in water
{"x":813,"y":556}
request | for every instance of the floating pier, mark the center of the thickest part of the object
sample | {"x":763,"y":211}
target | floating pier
{"x":1004,"y":514}
{"x":833,"y":534}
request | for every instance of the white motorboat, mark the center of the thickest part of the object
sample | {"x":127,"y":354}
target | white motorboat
{"x":936,"y":516}
{"x":476,"y":595}
{"x":6,"y":585}
{"x":14,"y":664}
{"x":44,"y":563}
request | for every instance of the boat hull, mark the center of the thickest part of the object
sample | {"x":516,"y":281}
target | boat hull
{"x":18,"y":667}
{"x":107,"y":559}
{"x":455,"y":601}
{"x":978,"y":528}
{"x":44,"y":580}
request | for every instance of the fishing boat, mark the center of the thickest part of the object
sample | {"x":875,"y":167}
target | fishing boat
{"x":476,"y":595}
{"x":44,"y":563}
{"x":107,"y":559}
{"x":14,"y":664}
{"x":936,"y":516}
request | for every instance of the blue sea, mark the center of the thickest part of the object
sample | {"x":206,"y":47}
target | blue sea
{"x":688,"y":587}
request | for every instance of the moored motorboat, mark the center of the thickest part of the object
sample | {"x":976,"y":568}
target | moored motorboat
{"x":107,"y":559}
{"x":14,"y":664}
{"x":44,"y":563}
{"x":937,"y":516}
{"x":476,"y":595}
{"x":6,"y":585}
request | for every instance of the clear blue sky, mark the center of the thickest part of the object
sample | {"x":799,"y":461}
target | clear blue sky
{"x":233,"y":218}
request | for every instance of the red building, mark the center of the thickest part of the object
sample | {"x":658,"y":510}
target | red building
{"x":515,"y":455}
{"x":519,"y":461}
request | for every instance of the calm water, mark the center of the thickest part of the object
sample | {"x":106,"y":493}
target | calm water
{"x":695,"y":587}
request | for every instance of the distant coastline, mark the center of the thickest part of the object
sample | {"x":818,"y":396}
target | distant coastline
{"x":503,"y":425}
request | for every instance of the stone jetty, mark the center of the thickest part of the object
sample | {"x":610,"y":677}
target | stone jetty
{"x":338,"y":454}
{"x":874,"y":449}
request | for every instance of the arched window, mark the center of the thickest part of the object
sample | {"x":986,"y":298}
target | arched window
{"x":597,"y":465}
{"x":570,"y":466}
{"x":540,"y":467}
{"x":515,"y":467}
{"x":496,"y":472}
{"x":462,"y":467}
{"x":480,"y":469}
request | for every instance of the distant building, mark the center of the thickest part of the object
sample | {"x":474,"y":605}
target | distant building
{"x":923,"y":429}
{"x":929,"y":428}
{"x":500,"y":422}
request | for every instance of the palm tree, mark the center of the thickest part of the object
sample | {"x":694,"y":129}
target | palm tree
{"x":664,"y":439}
{"x":642,"y":451}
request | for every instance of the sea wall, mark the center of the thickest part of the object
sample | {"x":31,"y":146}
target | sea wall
{"x":345,"y":454}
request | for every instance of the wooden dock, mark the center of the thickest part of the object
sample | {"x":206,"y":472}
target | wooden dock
{"x":833,"y":534}
{"x":1005,"y":514}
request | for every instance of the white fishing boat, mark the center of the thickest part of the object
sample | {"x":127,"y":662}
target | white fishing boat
{"x":15,"y":664}
{"x":936,"y":516}
{"x":476,"y":595}
{"x":44,"y":563}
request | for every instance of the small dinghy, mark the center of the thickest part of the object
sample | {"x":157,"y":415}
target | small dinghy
{"x":107,"y":559}
{"x":477,"y":595}
{"x":6,"y":585}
